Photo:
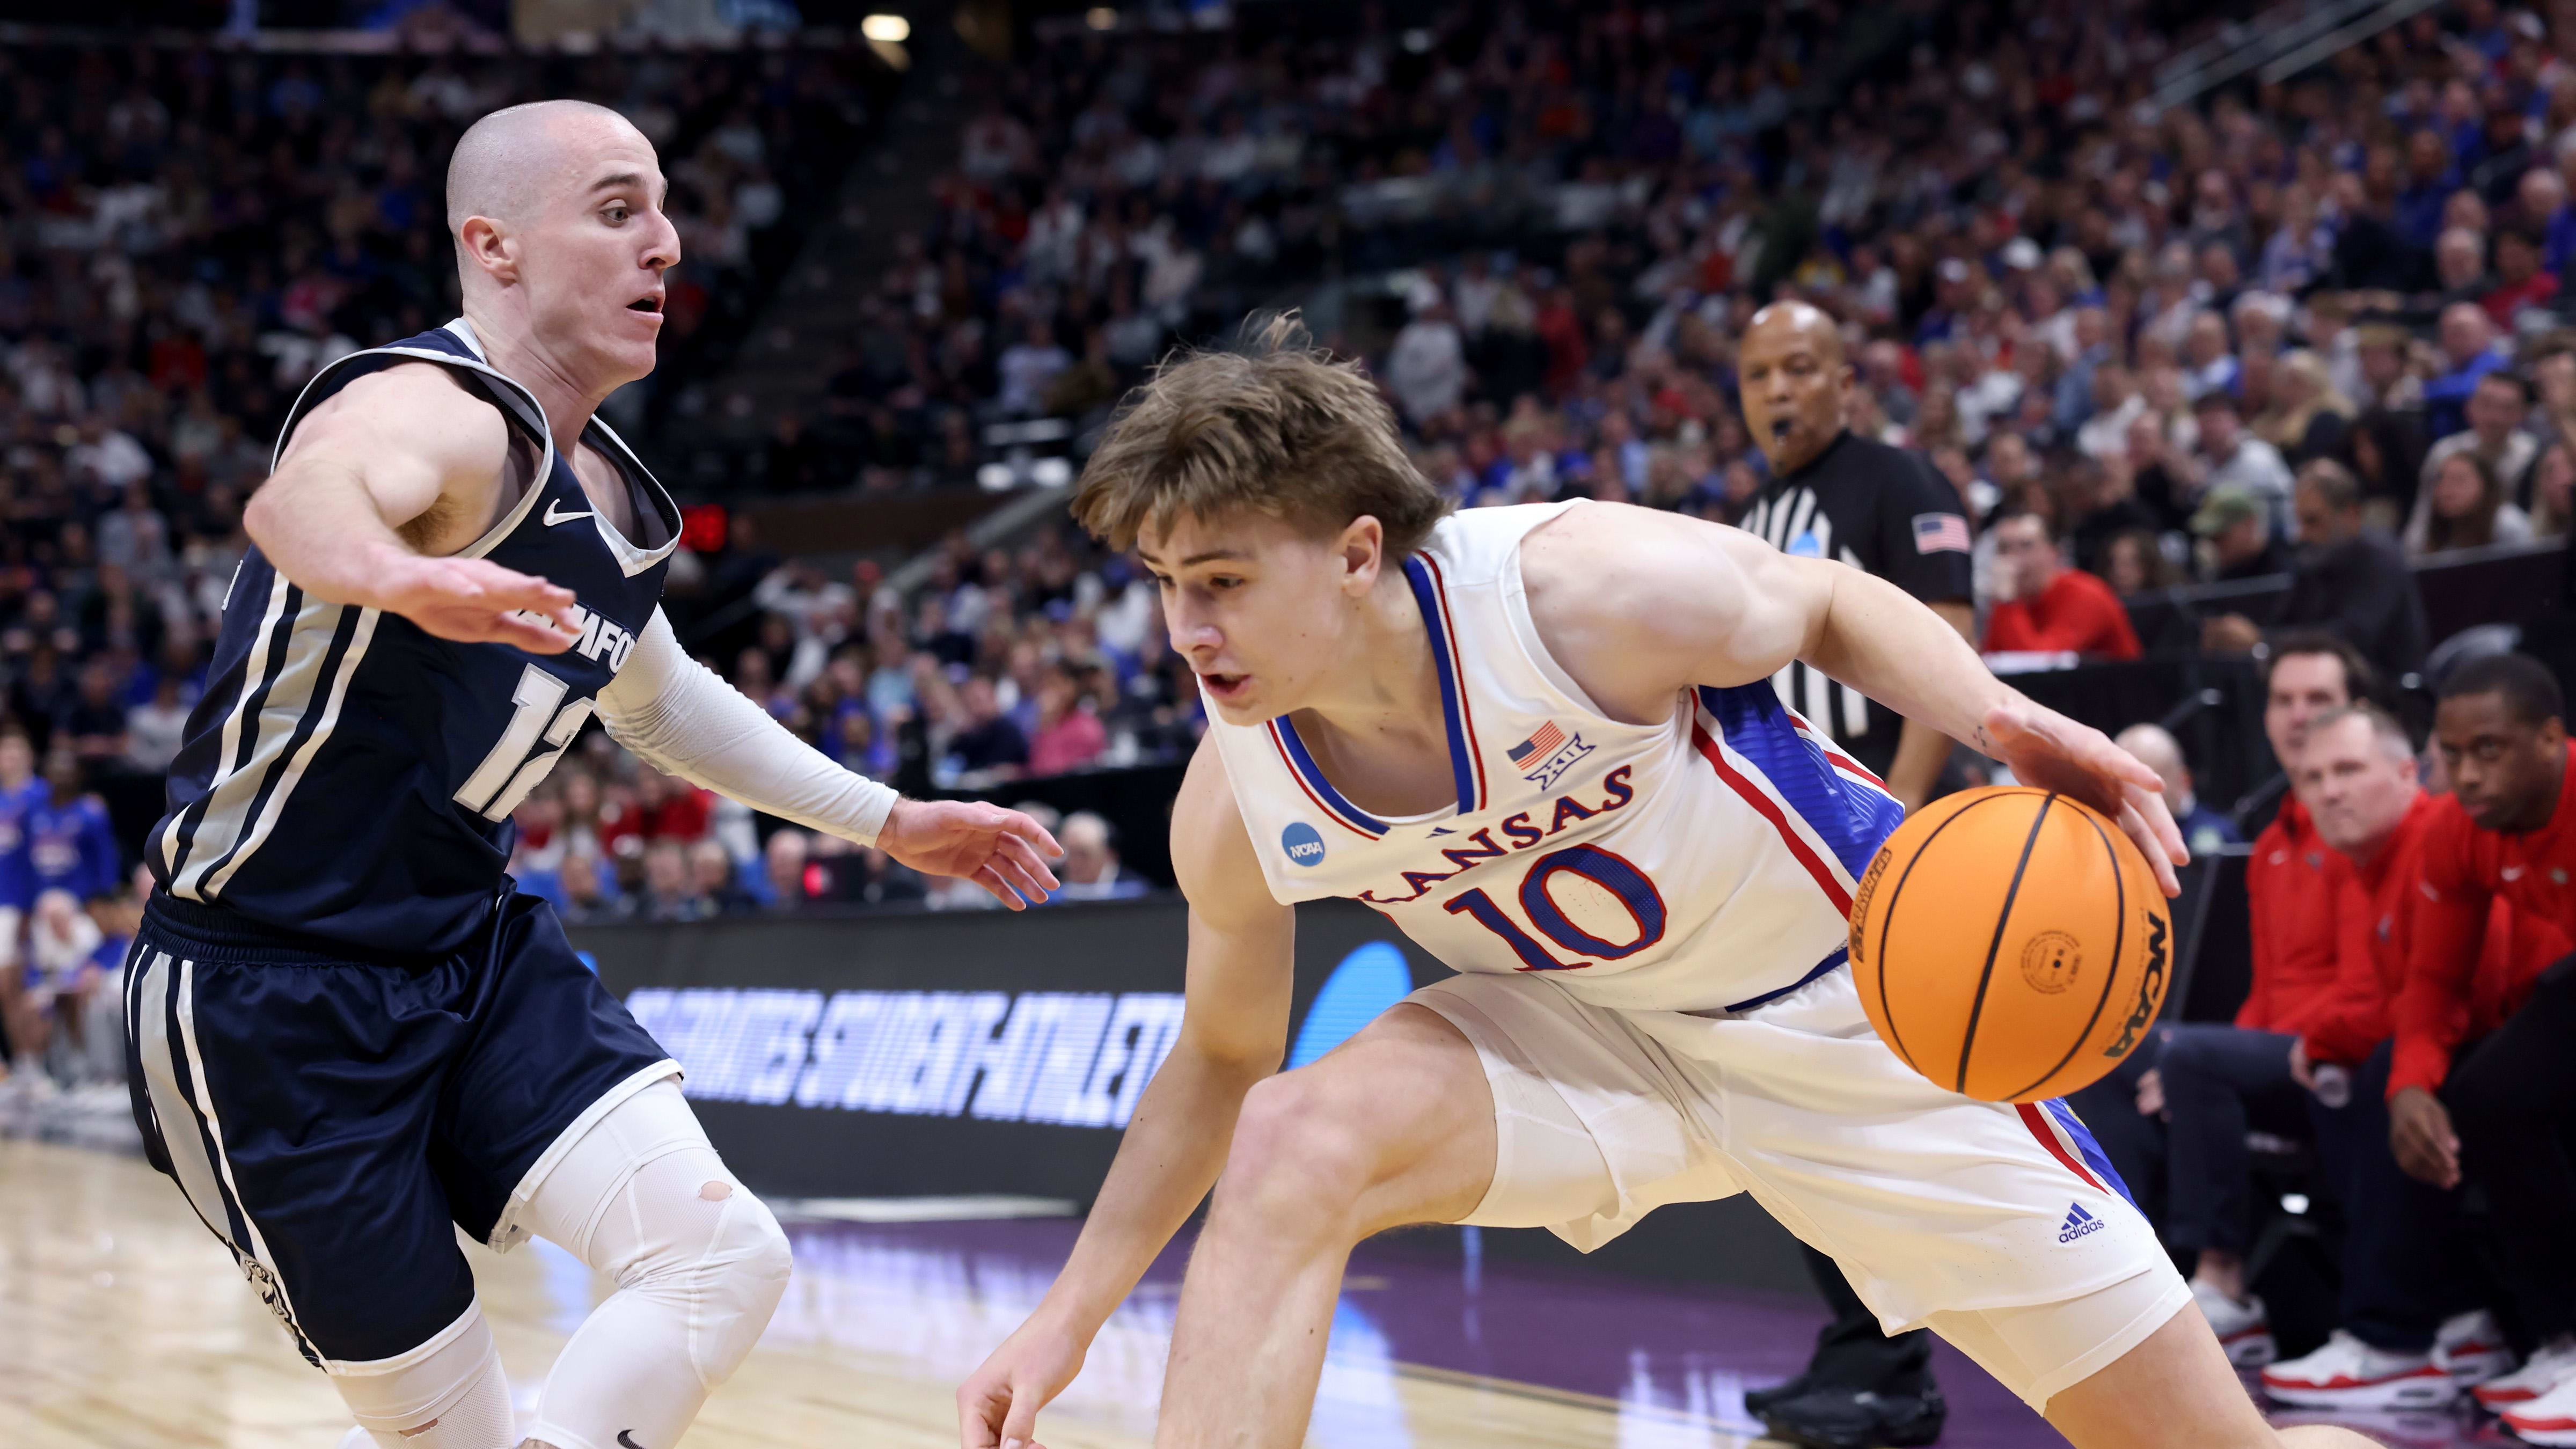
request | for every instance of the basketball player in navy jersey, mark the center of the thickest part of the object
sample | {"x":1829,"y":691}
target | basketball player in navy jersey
{"x":350,"y":1035}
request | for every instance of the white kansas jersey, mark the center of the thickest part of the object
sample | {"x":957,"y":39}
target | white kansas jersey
{"x":1702,"y":863}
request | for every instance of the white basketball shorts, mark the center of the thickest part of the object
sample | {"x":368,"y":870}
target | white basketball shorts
{"x":2001,"y":1227}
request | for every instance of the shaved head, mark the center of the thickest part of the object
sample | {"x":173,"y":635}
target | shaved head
{"x":507,"y":162}
{"x":1782,"y":323}
{"x":561,"y":243}
{"x":2155,"y":748}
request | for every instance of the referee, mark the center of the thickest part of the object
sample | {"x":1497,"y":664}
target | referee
{"x":1885,"y":511}
{"x":1835,"y":494}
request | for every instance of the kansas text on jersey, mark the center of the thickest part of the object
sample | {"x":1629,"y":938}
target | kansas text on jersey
{"x":1699,"y":863}
{"x":351,"y":777}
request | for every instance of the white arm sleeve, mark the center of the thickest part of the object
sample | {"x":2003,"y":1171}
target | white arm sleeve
{"x":683,"y":720}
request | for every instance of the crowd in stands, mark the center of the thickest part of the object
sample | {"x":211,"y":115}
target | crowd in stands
{"x":187,"y":234}
{"x":2312,"y":330}
{"x":2310,"y":334}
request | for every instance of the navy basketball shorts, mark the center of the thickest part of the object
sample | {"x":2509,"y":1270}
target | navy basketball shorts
{"x":335,"y":1119}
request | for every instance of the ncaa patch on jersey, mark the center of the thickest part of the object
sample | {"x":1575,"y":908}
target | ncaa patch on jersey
{"x":1302,"y":844}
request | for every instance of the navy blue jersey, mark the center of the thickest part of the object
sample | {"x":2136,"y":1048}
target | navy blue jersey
{"x":350,"y":777}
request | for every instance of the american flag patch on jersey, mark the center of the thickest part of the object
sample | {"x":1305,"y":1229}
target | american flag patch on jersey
{"x":1544,"y":742}
{"x":1547,"y":754}
{"x":1940,"y":533}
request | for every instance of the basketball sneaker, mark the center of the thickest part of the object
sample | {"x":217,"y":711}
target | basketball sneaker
{"x":1758,"y":1400}
{"x":2547,"y":1419}
{"x":2552,"y":1364}
{"x":1839,"y":1418}
{"x":2350,"y":1374}
{"x":2243,"y":1328}
{"x":2470,"y":1347}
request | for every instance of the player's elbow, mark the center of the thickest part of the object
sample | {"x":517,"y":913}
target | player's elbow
{"x":263,"y":514}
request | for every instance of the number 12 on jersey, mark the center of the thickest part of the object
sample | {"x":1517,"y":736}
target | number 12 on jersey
{"x":541,"y":711}
{"x":1613,"y":873}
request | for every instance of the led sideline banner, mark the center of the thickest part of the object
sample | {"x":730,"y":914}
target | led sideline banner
{"x":919,"y":1053}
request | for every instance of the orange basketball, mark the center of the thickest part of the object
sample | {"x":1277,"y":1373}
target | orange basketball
{"x":2010,"y":944}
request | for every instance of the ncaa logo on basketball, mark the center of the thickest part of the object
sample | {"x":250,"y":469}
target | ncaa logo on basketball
{"x":2151,"y":987}
{"x":1302,"y":844}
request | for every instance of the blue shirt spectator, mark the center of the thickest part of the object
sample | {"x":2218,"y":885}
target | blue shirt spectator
{"x":66,"y":844}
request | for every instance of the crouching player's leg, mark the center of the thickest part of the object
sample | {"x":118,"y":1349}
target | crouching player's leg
{"x":2177,"y":1388}
{"x":1393,"y":1129}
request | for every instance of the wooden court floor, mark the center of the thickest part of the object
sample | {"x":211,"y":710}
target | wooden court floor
{"x":124,"y":1325}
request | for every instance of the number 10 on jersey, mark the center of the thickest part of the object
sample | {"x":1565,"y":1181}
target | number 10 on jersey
{"x":1611,"y":872}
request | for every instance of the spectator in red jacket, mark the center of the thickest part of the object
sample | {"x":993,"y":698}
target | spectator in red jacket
{"x":2042,"y":606}
{"x":2211,"y":1080}
{"x":2289,"y":883}
{"x":2483,"y":1080}
{"x":2358,"y":780}
{"x":2401,"y":1265}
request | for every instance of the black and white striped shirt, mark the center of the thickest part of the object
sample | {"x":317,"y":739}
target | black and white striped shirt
{"x":1885,"y":511}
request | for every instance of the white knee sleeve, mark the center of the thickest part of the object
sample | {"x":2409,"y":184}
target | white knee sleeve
{"x":699,"y":1262}
{"x":449,"y":1393}
{"x":683,"y":1234}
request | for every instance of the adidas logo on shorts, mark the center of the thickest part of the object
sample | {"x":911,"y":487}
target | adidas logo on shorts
{"x":2078,"y":1223}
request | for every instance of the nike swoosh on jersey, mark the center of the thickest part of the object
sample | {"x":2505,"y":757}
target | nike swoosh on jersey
{"x":553,"y":518}
{"x":625,"y":1437}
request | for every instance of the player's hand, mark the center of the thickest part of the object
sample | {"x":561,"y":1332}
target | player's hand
{"x":1001,"y":850}
{"x":997,"y":1406}
{"x":2419,"y":1133}
{"x":2046,"y":749}
{"x":474,"y":601}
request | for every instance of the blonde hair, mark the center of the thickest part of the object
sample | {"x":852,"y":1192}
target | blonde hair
{"x":1282,"y":429}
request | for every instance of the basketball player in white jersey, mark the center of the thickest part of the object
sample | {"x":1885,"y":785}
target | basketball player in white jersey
{"x":1544,"y":742}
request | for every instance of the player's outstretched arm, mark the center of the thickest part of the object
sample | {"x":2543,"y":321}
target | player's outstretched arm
{"x":682,"y":719}
{"x":403,"y":451}
{"x":1233,"y":1034}
{"x":1640,"y":604}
